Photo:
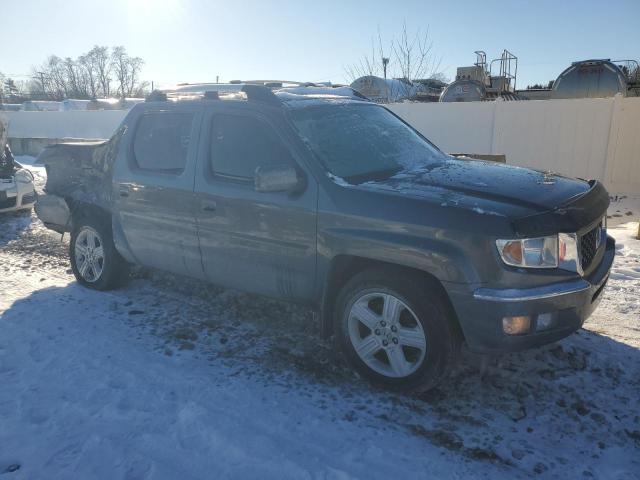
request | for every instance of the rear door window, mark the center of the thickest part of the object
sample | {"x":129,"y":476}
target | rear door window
{"x":162,"y":140}
{"x":241,"y":144}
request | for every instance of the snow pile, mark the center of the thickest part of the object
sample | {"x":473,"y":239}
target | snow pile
{"x":619,"y":317}
{"x":623,"y":209}
{"x":169,"y":378}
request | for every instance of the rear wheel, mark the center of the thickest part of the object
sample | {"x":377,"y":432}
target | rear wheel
{"x":94,"y":259}
{"x":395,"y":330}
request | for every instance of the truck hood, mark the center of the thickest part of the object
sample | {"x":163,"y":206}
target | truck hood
{"x":482,"y":181}
{"x":536,"y":203}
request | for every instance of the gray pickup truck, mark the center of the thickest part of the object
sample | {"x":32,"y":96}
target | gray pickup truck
{"x":320,"y":197}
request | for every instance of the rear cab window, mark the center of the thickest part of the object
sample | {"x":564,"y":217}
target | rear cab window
{"x":162,"y":140}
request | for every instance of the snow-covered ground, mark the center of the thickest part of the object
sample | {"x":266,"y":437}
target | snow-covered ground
{"x":168,"y":378}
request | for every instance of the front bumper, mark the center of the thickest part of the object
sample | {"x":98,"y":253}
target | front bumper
{"x":567,"y":304}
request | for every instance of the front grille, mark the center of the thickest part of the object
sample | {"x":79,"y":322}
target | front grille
{"x":8,"y":203}
{"x":589,"y":243}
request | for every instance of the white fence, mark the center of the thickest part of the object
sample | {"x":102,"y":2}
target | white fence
{"x":70,"y":124}
{"x":587,"y":138}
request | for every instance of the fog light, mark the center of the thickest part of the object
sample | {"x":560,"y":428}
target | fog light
{"x":516,"y":325}
{"x":544,"y":321}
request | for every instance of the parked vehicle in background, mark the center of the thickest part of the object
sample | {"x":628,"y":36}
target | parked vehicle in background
{"x":334,"y":202}
{"x":17,"y":191}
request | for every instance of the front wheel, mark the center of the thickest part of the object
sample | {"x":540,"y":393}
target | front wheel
{"x":395,"y":330}
{"x":94,"y":259}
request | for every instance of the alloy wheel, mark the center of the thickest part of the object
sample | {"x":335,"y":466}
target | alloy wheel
{"x":386,"y":334}
{"x":89,"y":254}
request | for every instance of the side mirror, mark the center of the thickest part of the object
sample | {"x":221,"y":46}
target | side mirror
{"x":277,"y":178}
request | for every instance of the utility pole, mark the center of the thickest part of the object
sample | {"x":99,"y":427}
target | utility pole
{"x":217,"y":78}
{"x":385,"y":62}
{"x":44,"y":93}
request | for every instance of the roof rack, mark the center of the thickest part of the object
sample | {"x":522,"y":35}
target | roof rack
{"x":214,"y":91}
{"x":312,"y":91}
{"x":253,"y":90}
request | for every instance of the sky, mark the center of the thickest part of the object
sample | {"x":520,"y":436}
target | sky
{"x":198,"y":40}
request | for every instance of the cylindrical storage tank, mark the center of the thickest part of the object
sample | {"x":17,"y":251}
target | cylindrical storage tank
{"x":590,"y":79}
{"x":464,"y":90}
{"x":372,"y":87}
{"x":383,"y":90}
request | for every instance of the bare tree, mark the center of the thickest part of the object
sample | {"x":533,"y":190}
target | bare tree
{"x":127,"y":71}
{"x":414,"y":59}
{"x":411,"y":59}
{"x":102,"y":63}
{"x":90,"y":76}
{"x":10,"y":88}
{"x":374,"y":64}
{"x":53,"y":78}
{"x":90,"y":73}
{"x":134,"y":85}
{"x":76,"y":87}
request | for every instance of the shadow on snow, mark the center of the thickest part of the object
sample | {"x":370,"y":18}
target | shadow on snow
{"x":563,"y":406}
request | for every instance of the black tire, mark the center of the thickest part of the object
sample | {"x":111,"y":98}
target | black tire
{"x":115,"y":270}
{"x":425,"y":303}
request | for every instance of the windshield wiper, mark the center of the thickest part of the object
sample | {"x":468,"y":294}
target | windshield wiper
{"x":373,"y":176}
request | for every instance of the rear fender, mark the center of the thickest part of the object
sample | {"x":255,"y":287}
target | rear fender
{"x":120,"y":240}
{"x":54,"y":212}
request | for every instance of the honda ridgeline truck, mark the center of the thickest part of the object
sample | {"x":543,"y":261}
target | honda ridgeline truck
{"x":319,"y":197}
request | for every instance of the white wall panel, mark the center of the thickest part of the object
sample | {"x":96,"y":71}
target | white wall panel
{"x":587,"y":138}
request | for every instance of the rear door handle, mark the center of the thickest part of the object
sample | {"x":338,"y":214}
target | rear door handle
{"x":209,"y":206}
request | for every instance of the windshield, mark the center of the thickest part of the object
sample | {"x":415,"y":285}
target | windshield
{"x":362,"y":142}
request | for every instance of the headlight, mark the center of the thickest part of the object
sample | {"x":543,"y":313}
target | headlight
{"x":24,"y":176}
{"x":554,"y":251}
{"x":540,"y":252}
{"x":568,"y":252}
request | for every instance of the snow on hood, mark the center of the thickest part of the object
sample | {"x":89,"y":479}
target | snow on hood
{"x":489,"y":181}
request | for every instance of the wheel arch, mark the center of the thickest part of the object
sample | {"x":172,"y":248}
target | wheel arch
{"x":344,"y":267}
{"x":81,"y":210}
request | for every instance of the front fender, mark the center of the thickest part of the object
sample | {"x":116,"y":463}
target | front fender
{"x":437,"y":256}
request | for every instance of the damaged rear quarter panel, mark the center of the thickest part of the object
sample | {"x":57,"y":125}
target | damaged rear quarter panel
{"x":79,"y":173}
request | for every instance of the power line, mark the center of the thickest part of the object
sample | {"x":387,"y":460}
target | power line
{"x":16,"y":75}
